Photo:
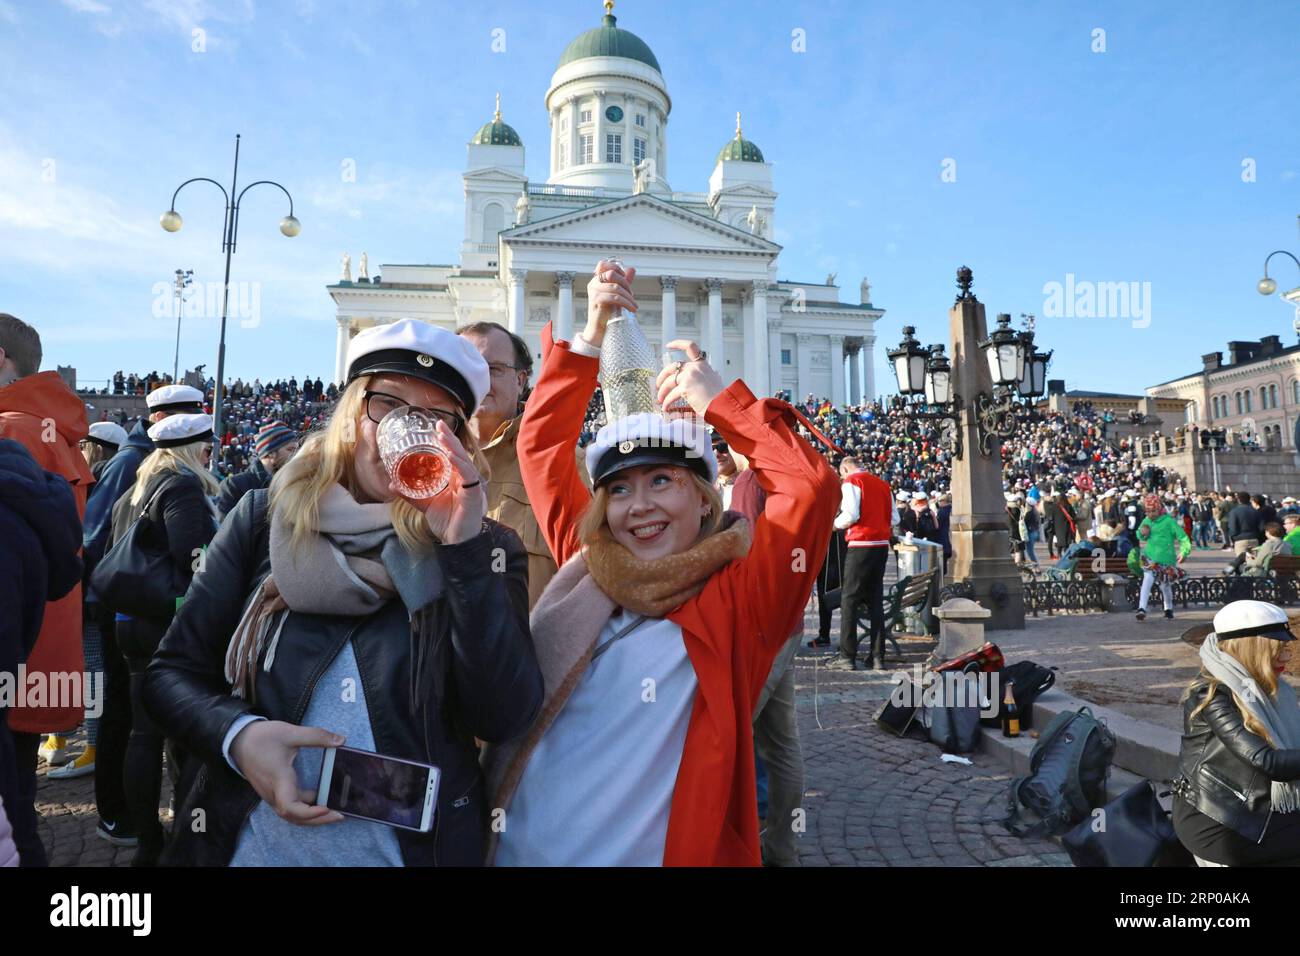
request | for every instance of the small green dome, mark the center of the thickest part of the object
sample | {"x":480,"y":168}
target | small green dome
{"x":496,"y":133}
{"x":740,"y":149}
{"x":609,"y":40}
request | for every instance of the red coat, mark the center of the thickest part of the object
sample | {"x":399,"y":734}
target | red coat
{"x":48,"y":419}
{"x":734,"y":628}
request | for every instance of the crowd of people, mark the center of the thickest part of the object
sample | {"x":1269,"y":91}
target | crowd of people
{"x":506,"y":629}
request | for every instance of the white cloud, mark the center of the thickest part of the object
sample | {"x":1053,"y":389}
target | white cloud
{"x":87,"y":6}
{"x":440,"y":193}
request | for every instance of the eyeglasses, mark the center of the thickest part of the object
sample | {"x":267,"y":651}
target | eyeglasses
{"x":379,"y":404}
{"x":501,"y":370}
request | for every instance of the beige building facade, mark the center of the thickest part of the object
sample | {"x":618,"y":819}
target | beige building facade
{"x":1255,"y":393}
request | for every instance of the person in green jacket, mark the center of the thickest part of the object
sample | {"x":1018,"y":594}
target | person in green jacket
{"x":1292,"y":537}
{"x":1164,"y":544}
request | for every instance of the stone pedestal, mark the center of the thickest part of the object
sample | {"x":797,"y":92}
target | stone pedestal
{"x":981,"y":540}
{"x":961,"y":628}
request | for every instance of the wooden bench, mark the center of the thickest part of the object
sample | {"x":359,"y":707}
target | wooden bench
{"x":1117,"y":566}
{"x":909,"y":592}
{"x":1284,"y":565}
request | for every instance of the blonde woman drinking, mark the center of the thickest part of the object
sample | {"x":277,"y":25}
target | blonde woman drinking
{"x":339,"y":610}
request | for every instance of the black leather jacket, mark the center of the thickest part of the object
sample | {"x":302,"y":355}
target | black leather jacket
{"x":1224,"y":770}
{"x":487,"y":683}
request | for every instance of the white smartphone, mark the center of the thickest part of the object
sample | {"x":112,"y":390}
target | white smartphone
{"x":370,"y":786}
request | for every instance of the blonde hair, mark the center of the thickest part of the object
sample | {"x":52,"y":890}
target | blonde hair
{"x":326,"y":458}
{"x":94,"y":453}
{"x":178,"y":459}
{"x":595,"y":517}
{"x":1256,"y":655}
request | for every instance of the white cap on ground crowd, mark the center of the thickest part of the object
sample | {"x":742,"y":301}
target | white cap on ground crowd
{"x":181,"y":430}
{"x":920,"y":496}
{"x":175,"y":398}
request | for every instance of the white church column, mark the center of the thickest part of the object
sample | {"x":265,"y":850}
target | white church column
{"x":713,"y":344}
{"x":837,"y":370}
{"x":804,"y":348}
{"x":516,"y":316}
{"x":669,"y":325}
{"x":571,"y":104}
{"x":855,"y":381}
{"x":777,"y":370}
{"x":563,"y":329}
{"x":748,"y":363}
{"x":868,"y":352}
{"x":341,"y":352}
{"x":762,"y":353}
{"x":598,"y":153}
{"x":555,"y":136}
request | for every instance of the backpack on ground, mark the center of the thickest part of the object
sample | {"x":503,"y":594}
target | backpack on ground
{"x":1067,"y":776}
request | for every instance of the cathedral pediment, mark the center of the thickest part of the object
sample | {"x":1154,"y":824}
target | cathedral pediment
{"x":640,"y":221}
{"x":495,"y":174}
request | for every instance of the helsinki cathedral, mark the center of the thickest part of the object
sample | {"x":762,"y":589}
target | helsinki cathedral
{"x":707,"y":265}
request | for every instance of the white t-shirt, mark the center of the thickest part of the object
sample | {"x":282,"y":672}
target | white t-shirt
{"x":598,"y":786}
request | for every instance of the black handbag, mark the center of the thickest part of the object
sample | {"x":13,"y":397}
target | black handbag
{"x":831,"y":577}
{"x":135,"y":579}
{"x":1131,"y":830}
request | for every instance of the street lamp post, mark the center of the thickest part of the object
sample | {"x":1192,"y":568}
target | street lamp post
{"x":1000,"y":370}
{"x":183,"y":281}
{"x":1214,"y":439}
{"x":171,"y":221}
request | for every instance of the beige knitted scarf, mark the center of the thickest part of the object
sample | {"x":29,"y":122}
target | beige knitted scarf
{"x":657,"y":587}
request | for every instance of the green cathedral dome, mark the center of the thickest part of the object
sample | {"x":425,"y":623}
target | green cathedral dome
{"x":740,"y":149}
{"x":609,"y":40}
{"x":496,"y":133}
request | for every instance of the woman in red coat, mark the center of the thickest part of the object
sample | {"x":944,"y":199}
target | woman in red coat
{"x":661,"y":626}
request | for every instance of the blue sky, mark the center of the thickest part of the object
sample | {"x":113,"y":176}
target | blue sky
{"x":1117,"y":166}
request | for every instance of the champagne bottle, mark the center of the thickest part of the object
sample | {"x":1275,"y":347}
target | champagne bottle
{"x":628,"y":367}
{"x":1010,"y":713}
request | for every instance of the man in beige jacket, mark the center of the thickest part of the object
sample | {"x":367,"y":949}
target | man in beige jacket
{"x":496,"y":424}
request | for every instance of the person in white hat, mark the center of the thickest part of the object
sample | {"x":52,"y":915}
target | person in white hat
{"x":1237,"y":791}
{"x":119,"y":474}
{"x":171,"y":500}
{"x":114,"y":480}
{"x":918,"y":520}
{"x":100,"y":445}
{"x":330,"y":579}
{"x":656,"y":593}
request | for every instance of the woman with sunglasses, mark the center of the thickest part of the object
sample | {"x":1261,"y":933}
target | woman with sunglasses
{"x":660,"y":629}
{"x":336,"y":610}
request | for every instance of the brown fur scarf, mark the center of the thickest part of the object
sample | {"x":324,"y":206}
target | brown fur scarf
{"x":655,"y":588}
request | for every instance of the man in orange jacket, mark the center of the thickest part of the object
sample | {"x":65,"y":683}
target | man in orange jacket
{"x":48,"y":419}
